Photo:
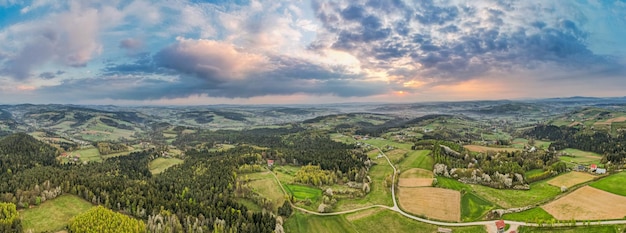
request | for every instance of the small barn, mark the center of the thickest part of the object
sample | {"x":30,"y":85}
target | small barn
{"x":593,"y":167}
{"x":600,"y":171}
{"x":270,"y":162}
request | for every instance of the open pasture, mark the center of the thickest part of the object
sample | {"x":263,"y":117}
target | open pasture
{"x":264,"y":184}
{"x":580,"y":157}
{"x":54,"y":214}
{"x":570,"y":179}
{"x":588,"y":203}
{"x":435,"y":203}
{"x":615,"y":183}
{"x":417,"y":159}
{"x":161,"y":164}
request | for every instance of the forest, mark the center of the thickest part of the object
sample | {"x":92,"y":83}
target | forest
{"x":196,"y":196}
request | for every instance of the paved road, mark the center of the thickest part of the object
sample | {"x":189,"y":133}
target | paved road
{"x":490,"y":225}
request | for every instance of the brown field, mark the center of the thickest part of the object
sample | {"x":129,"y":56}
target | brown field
{"x":417,"y":173}
{"x":416,"y":177}
{"x":415,"y":182}
{"x":436,"y":203}
{"x":588,"y":203}
{"x":617,"y":119}
{"x":477,"y":148}
{"x":571,"y":179}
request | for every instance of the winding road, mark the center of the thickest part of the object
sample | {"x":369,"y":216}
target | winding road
{"x":490,"y":225}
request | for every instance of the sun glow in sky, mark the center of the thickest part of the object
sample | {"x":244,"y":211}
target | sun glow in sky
{"x":317,"y":51}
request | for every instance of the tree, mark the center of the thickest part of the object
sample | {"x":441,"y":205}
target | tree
{"x":9,"y":218}
{"x":285,"y":210}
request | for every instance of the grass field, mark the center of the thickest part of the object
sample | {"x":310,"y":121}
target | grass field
{"x":379,"y":194}
{"x":300,"y":222}
{"x":615,"y":183}
{"x":161,"y":164}
{"x":371,"y":220}
{"x":396,"y":155}
{"x":506,"y":198}
{"x":570,"y":179}
{"x":580,"y":157}
{"x":301,"y":192}
{"x":382,"y":142}
{"x":588,"y":203}
{"x":264,"y":184}
{"x":417,"y":159}
{"x":90,"y":155}
{"x":436,"y":203}
{"x":342,"y":138}
{"x":532,"y":215}
{"x":53,"y":215}
{"x":473,"y":207}
{"x":586,"y":229}
{"x":249,"y":204}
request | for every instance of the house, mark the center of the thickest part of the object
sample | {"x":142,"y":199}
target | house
{"x":500,"y":225}
{"x":600,"y":171}
{"x":270,"y":162}
{"x":580,"y":168}
{"x":593,"y":167}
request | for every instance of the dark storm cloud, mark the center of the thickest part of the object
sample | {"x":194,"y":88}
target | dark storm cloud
{"x":455,"y":42}
{"x":51,"y":75}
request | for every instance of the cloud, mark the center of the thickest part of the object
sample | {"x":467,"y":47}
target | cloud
{"x":131,"y":44}
{"x":210,"y":60}
{"x":439,"y":42}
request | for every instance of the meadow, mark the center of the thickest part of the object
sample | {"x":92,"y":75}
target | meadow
{"x":161,"y":164}
{"x":264,"y":184}
{"x":54,"y":214}
{"x":536,"y":214}
{"x":586,"y":229}
{"x":473,"y":207}
{"x":614,"y":184}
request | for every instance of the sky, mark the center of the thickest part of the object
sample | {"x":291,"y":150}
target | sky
{"x":149,"y":52}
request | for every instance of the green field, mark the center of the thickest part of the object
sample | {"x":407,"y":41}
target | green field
{"x":379,"y":194}
{"x":161,"y":164}
{"x":90,"y":155}
{"x":264,"y":184}
{"x":342,"y":138}
{"x":301,"y":192}
{"x":533,"y":172}
{"x":532,"y":215}
{"x":506,"y":198}
{"x":615,"y":183}
{"x":417,"y":159}
{"x":473,"y":208}
{"x":580,"y":157}
{"x":364,"y":221}
{"x":249,"y":204}
{"x":586,"y":229}
{"x":300,"y":222}
{"x":53,"y":215}
{"x":382,"y":143}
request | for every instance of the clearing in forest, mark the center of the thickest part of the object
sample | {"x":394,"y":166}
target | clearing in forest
{"x":588,"y":203}
{"x":161,"y":164}
{"x":570,"y":179}
{"x":435,"y":203}
{"x":482,"y":149}
{"x":54,"y":214}
{"x":416,"y":177}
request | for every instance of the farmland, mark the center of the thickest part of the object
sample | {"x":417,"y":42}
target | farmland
{"x":53,"y":215}
{"x":436,"y":203}
{"x":570,"y":179}
{"x":508,"y":198}
{"x":301,"y":192}
{"x":587,"y":229}
{"x":265,"y":184}
{"x":580,"y":157}
{"x":614,"y":184}
{"x":415,"y":177}
{"x":474,"y":207}
{"x":417,"y":159}
{"x":588,"y":203}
